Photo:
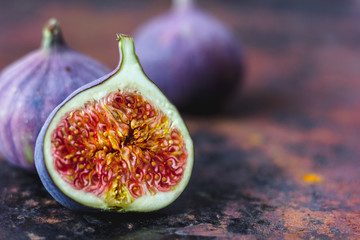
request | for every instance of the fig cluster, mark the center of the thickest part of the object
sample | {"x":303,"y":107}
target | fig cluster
{"x":114,"y":141}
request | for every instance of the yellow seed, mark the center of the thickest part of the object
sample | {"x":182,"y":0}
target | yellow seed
{"x":169,"y":163}
{"x":79,"y":124}
{"x":70,"y":137}
{"x":157,"y":176}
{"x":147,"y":177}
{"x":137,"y":176}
{"x":74,"y":160}
{"x":76,"y":131}
{"x":144,"y":117}
{"x":82,"y":152}
{"x":106,"y":134}
{"x":164,"y":119}
{"x":91,"y":134}
{"x":81,"y":159}
{"x":57,"y":144}
{"x":153,"y":164}
{"x":105,"y":148}
{"x":68,"y":157}
{"x":81,"y":166}
{"x":163,"y":179}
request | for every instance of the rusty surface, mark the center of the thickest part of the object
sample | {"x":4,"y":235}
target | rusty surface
{"x":282,"y":161}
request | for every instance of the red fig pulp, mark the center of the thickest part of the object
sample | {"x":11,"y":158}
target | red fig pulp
{"x":33,"y":86}
{"x":121,"y":145}
{"x":193,"y":58}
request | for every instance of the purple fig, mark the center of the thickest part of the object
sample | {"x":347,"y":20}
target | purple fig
{"x":33,"y":86}
{"x":193,"y":58}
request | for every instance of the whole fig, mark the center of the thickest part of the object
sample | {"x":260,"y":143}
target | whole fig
{"x":33,"y":86}
{"x":115,"y":144}
{"x":193,"y":58}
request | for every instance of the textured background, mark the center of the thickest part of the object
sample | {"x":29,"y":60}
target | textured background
{"x":281,"y":162}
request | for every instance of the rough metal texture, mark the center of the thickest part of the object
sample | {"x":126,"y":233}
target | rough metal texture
{"x":281,"y":162}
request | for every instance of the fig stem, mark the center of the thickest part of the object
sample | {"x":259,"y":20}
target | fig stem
{"x":52,"y":35}
{"x":126,"y":48}
{"x":182,"y":4}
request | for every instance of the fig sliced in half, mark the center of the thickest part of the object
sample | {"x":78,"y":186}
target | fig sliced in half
{"x":116,"y":143}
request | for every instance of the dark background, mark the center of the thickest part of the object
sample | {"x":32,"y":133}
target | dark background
{"x":281,"y":162}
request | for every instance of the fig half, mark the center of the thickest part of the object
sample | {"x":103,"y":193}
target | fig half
{"x":116,"y":143}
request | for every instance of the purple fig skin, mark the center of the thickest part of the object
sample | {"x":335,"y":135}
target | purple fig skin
{"x":192,"y":57}
{"x":31,"y":87}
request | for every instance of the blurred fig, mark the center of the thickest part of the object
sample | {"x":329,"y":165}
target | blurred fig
{"x":193,"y":58}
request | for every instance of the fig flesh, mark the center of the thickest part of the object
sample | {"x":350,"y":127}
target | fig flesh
{"x":193,"y":57}
{"x":33,"y":86}
{"x":115,"y":144}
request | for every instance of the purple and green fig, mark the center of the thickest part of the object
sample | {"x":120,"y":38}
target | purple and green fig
{"x":192,"y":57}
{"x":33,"y":86}
{"x":116,"y":143}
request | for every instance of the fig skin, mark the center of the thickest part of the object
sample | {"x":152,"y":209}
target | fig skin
{"x":31,"y":87}
{"x":194,"y":59}
{"x":128,"y":73}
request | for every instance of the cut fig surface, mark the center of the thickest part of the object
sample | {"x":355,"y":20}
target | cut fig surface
{"x":119,"y":148}
{"x":116,"y":143}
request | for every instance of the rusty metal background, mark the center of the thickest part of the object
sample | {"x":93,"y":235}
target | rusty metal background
{"x":282,"y":161}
